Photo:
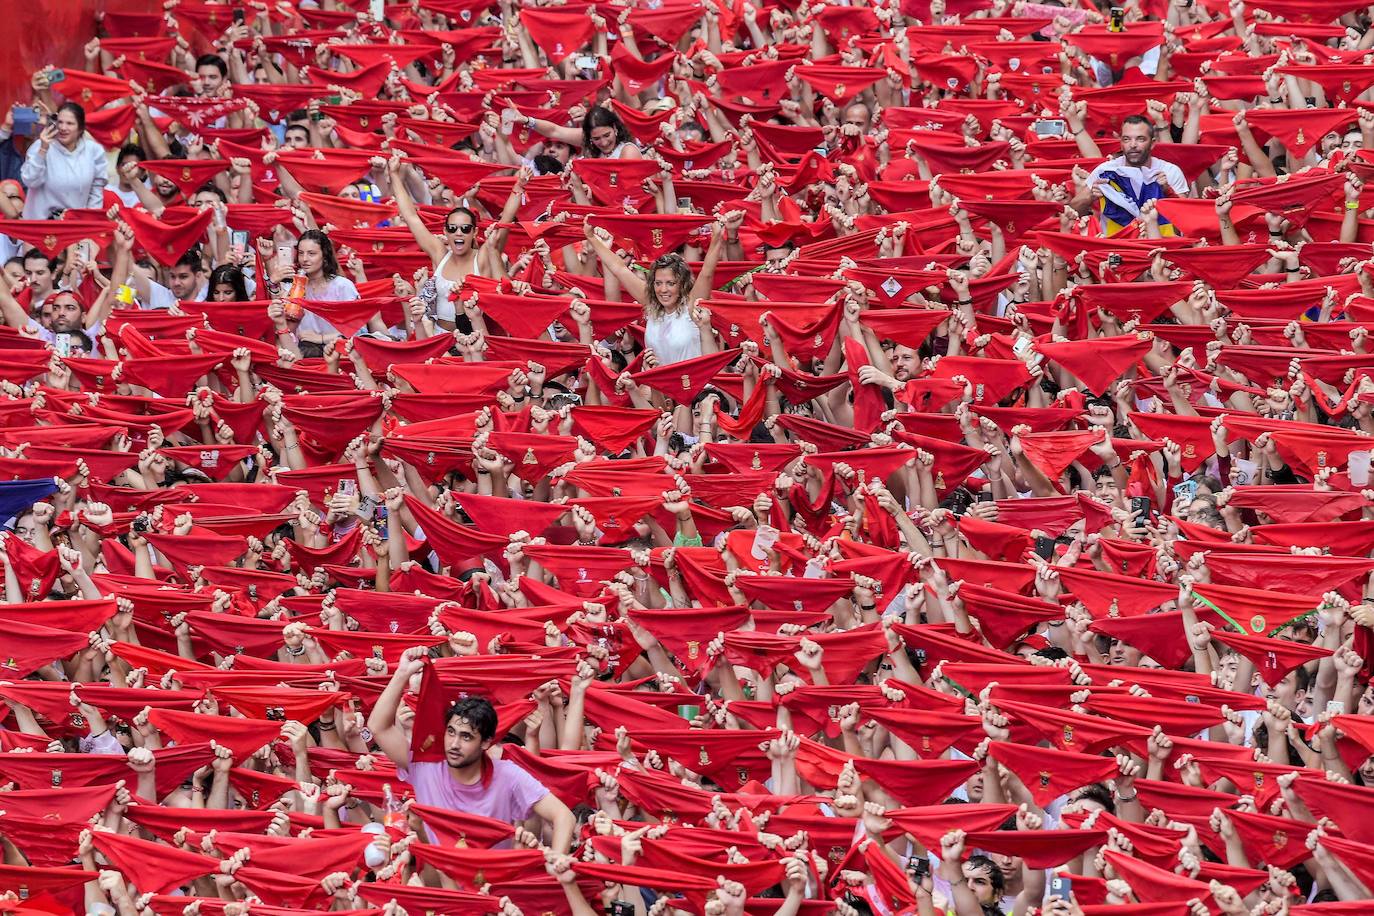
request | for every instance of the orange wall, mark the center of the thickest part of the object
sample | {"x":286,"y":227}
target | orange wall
{"x":42,"y":32}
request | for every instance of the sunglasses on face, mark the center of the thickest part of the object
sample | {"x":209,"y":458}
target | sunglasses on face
{"x":466,"y":229}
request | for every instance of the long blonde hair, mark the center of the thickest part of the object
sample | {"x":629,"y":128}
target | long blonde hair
{"x":681,"y":272}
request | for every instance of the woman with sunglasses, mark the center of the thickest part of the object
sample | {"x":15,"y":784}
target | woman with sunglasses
{"x":457,"y":254}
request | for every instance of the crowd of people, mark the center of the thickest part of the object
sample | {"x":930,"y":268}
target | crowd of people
{"x":691,"y":456}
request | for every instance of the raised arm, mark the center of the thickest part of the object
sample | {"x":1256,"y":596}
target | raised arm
{"x":495,"y":244}
{"x":706,"y":277}
{"x":389,"y":735}
{"x":630,"y":281}
{"x":429,"y":243}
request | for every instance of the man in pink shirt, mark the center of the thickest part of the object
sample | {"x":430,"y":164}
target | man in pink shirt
{"x":467,"y":779}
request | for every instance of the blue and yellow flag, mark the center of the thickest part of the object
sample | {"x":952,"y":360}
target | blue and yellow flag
{"x":1122,"y":199}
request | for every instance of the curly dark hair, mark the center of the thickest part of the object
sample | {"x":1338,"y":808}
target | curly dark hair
{"x":602,"y":117}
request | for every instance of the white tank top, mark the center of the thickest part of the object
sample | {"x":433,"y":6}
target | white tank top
{"x":446,"y":309}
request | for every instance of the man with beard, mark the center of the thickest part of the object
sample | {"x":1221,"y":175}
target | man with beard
{"x":1121,"y":186}
{"x":467,"y":779}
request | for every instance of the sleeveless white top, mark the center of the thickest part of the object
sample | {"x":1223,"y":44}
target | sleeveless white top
{"x":673,"y":338}
{"x":446,"y":309}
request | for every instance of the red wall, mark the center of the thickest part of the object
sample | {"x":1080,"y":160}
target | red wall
{"x":42,"y":32}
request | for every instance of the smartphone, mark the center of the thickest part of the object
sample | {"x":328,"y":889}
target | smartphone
{"x":62,"y":345}
{"x":286,"y":254}
{"x":238,"y":242}
{"x":25,"y":120}
{"x":347,"y":487}
{"x":1335,"y":707}
{"x":983,"y":496}
{"x":1021,"y":346}
{"x":1141,"y":504}
{"x":918,"y":867}
{"x":1357,"y":467}
{"x":1044,"y":548}
{"x":585,"y":62}
{"x":620,"y":908}
{"x":380,"y":515}
{"x":239,"y":16}
{"x":1061,"y":886}
{"x":765,"y":536}
{"x":1114,"y":260}
{"x":1116,"y":23}
{"x":333,"y":100}
{"x":316,"y":116}
{"x":1049,"y":127}
{"x":57,"y":76}
{"x":684,"y":203}
{"x":1192,"y":698}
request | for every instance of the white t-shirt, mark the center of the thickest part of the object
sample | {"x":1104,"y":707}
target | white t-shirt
{"x":1155,"y":171}
{"x":130,"y":197}
{"x":338,"y":289}
{"x":160,"y":297}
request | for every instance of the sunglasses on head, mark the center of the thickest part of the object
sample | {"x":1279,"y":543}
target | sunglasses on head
{"x":466,"y":229}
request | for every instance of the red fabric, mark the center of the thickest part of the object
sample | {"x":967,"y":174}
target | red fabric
{"x":683,"y":381}
{"x":31,"y":647}
{"x":92,"y":90}
{"x":1048,"y":774}
{"x":187,"y":174}
{"x":929,"y":734}
{"x":649,"y":236}
{"x":167,"y":239}
{"x":277,"y":704}
{"x":928,"y":824}
{"x":1098,"y":362}
{"x":613,"y":428}
{"x":558,"y":33}
{"x":52,"y":237}
{"x":154,"y":868}
{"x":1298,"y":129}
{"x":1053,"y":452}
{"x":1003,"y":616}
{"x":1347,"y":805}
{"x":1254,"y":610}
{"x":46,"y":824}
{"x":1039,"y":849}
{"x":1071,"y":731}
{"x":243,"y":736}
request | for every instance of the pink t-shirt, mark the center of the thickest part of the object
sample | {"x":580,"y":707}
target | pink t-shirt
{"x":509,"y":796}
